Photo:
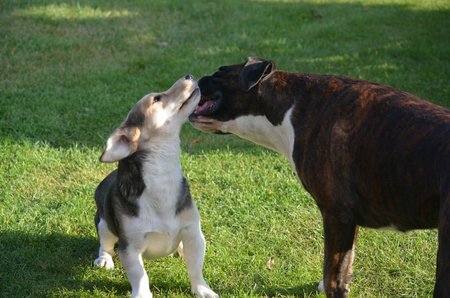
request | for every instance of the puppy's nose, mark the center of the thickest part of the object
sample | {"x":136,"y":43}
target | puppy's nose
{"x":189,"y":77}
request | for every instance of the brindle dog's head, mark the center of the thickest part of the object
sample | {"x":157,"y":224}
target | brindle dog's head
{"x":229,"y":93}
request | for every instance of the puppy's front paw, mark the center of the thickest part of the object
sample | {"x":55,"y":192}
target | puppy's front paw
{"x":203,"y":291}
{"x":145,"y":294}
{"x":104,"y":262}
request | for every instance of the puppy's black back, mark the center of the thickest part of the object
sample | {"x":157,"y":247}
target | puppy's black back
{"x":103,"y":195}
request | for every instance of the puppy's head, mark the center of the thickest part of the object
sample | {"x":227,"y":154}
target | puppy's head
{"x":229,"y":93}
{"x":156,"y":116}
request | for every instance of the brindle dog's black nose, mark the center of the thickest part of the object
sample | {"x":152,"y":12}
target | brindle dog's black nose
{"x":189,"y":77}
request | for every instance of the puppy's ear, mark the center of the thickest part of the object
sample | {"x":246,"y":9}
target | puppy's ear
{"x":254,"y":70}
{"x":122,"y":143}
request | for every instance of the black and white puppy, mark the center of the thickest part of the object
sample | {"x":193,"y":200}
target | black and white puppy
{"x":145,"y":203}
{"x":369,"y":154}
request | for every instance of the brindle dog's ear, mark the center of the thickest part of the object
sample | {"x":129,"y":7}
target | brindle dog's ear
{"x":254,"y":70}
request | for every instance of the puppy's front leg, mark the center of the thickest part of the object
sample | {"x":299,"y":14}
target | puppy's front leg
{"x":194,"y":254}
{"x":132,"y":261}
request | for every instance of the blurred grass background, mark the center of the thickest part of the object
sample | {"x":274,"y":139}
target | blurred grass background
{"x":71,"y":70}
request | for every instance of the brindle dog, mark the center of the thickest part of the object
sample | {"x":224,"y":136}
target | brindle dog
{"x":369,"y":154}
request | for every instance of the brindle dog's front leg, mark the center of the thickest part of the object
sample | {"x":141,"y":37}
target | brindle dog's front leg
{"x":340,"y":234}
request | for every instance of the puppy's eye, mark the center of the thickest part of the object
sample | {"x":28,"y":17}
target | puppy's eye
{"x":156,"y":98}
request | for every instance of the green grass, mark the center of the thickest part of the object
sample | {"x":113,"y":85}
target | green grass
{"x":69,"y":73}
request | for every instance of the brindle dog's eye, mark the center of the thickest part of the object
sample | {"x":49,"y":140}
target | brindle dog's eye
{"x":156,"y":98}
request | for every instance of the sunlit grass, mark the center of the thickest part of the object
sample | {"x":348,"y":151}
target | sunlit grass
{"x":417,"y":5}
{"x":72,"y":12}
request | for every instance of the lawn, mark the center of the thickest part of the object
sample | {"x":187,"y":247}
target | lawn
{"x":71,"y":70}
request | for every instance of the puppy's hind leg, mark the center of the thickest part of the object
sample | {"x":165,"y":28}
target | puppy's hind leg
{"x":107,"y":241}
{"x":179,"y":252}
{"x":442,"y":286}
{"x":194,"y":254}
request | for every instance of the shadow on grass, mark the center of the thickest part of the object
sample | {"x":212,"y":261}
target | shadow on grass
{"x":57,"y":265}
{"x":32,"y":264}
{"x":74,"y":71}
{"x":61,"y":265}
{"x":35,"y":265}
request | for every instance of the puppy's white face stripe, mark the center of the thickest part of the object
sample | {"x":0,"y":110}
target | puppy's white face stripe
{"x":259,"y":130}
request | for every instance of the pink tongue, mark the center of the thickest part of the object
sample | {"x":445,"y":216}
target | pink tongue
{"x":205,"y":106}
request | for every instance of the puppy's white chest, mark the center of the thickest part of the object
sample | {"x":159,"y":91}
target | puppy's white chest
{"x":156,"y":229}
{"x":159,"y":244}
{"x":155,"y":237}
